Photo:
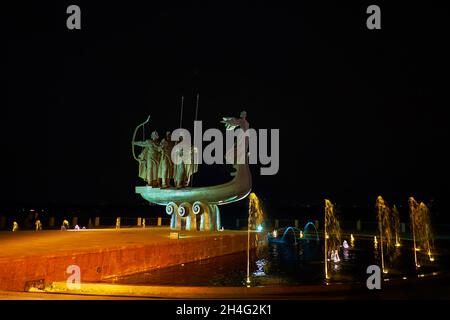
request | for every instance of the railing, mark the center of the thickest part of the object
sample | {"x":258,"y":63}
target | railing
{"x":362,"y":227}
{"x":52,"y":223}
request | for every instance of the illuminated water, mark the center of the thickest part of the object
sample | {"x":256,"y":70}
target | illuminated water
{"x":292,"y":264}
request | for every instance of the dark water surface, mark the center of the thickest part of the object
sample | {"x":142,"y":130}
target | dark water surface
{"x":301,"y":263}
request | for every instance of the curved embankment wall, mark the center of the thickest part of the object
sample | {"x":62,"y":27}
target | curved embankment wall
{"x":20,"y":272}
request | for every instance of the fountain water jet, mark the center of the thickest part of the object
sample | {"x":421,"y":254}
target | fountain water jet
{"x":306,"y":228}
{"x":255,"y":222}
{"x":396,"y":218}
{"x":302,"y":234}
{"x":385,"y":227}
{"x":332,"y":234}
{"x":421,"y":229}
{"x":293,"y":229}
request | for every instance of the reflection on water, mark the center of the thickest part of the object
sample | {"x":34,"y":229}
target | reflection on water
{"x":287,"y":264}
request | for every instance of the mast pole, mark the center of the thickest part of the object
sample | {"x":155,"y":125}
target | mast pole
{"x":196,"y":107}
{"x":181,"y":112}
{"x":196,"y":115}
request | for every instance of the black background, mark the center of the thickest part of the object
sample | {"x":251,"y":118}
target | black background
{"x":361,"y":112}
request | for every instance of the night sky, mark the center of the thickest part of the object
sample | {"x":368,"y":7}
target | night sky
{"x":361,"y":112}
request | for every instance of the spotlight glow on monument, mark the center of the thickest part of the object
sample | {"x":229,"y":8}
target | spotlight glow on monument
{"x":161,"y":163}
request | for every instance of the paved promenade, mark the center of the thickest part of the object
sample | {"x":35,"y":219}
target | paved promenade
{"x":32,"y":243}
{"x":35,"y":259}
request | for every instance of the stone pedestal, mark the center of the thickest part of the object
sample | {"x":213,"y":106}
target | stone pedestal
{"x":205,"y":221}
{"x":191,"y":222}
{"x":201,"y":216}
{"x":218,"y":220}
{"x":175,"y":222}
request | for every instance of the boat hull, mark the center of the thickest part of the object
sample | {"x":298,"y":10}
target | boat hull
{"x":236,"y":189}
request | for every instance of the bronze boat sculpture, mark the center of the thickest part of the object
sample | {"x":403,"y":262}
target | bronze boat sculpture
{"x":197,"y":208}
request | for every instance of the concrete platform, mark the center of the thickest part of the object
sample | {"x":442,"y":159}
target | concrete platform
{"x":419,"y":288}
{"x":36,"y":259}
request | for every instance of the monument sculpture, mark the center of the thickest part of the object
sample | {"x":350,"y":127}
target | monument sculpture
{"x":190,"y":208}
{"x":149,"y":160}
{"x":165,"y":169}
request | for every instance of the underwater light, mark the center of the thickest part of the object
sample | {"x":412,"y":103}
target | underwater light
{"x":345,"y":244}
{"x":259,"y":228}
